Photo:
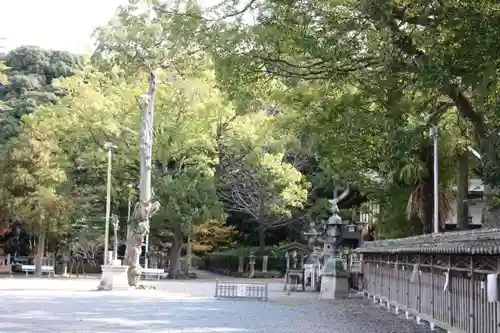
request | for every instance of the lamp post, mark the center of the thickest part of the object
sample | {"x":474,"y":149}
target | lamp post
{"x":434,"y":135}
{"x":110,"y":147}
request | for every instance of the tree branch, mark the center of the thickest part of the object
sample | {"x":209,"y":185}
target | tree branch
{"x":449,"y":88}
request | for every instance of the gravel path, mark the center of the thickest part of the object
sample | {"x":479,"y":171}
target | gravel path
{"x":64,"y":306}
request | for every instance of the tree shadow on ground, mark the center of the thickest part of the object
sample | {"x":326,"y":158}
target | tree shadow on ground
{"x":155,"y":311}
{"x":102,"y":313}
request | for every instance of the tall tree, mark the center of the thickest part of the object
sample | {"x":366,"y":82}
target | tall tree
{"x":34,"y":172}
{"x":265,"y":188}
{"x":27,"y":85}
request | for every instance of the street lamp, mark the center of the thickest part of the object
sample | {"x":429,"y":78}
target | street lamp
{"x":434,"y":135}
{"x":110,"y":147}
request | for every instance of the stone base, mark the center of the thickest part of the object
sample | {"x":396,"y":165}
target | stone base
{"x":333,"y":287}
{"x":114,"y":278}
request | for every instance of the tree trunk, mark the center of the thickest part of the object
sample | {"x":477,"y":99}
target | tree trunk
{"x":262,"y":238}
{"x":428,"y":194}
{"x":174,"y":255}
{"x":428,"y":190}
{"x":39,"y":254}
{"x":139,"y":223}
{"x":463,"y":191}
{"x":133,"y":255}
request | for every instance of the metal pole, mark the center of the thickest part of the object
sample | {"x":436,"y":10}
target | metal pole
{"x":108,"y":208}
{"x":434,"y":133}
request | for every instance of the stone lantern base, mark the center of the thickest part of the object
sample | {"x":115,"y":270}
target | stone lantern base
{"x":334,"y":281}
{"x":114,"y":277}
{"x":333,"y":287}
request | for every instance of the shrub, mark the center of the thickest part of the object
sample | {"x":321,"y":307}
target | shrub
{"x":227,"y":262}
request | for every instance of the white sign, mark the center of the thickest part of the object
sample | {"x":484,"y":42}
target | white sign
{"x":241,"y":290}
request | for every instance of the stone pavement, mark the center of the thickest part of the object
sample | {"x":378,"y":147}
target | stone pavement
{"x":69,"y":305}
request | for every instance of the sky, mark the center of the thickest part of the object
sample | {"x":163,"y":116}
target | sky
{"x":53,"y":24}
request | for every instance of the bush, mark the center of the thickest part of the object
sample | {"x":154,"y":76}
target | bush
{"x":227,"y":262}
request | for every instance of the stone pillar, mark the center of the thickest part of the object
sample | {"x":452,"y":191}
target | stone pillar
{"x":241,"y":263}
{"x":66,"y":260}
{"x":264,"y":263}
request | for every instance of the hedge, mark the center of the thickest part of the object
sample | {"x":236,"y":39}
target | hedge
{"x":227,"y":262}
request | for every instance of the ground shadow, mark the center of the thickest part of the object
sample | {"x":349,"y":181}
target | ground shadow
{"x":155,"y":311}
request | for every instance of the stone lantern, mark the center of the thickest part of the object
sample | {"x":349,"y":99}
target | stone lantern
{"x":334,"y":280}
{"x":313,"y":239}
{"x":251,"y":263}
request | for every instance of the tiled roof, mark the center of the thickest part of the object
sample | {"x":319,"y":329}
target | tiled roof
{"x":478,"y":241}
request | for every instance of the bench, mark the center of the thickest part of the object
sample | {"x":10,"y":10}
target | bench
{"x":153,"y":273}
{"x":49,"y":270}
{"x":47,"y":267}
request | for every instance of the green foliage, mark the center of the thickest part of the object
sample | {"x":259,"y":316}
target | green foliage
{"x":26,"y":75}
{"x":227,"y":262}
{"x":188,"y":198}
{"x":366,"y":81}
{"x":254,"y":177}
{"x":393,"y":220}
{"x":263,"y":118}
{"x":34,"y":174}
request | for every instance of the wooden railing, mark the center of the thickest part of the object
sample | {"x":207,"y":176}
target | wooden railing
{"x":438,"y":279}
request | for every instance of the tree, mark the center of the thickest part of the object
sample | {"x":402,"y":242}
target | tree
{"x":264,"y":187}
{"x":134,"y":40}
{"x":426,"y":49}
{"x":28,"y":72}
{"x":414,"y":41}
{"x":188,"y":197}
{"x":101,"y":107}
{"x":34,"y":173}
{"x":214,"y":235}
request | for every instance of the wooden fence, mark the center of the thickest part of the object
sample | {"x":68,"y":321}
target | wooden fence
{"x":440,"y":279}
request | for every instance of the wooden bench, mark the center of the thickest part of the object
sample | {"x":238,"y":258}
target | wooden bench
{"x":153,"y":273}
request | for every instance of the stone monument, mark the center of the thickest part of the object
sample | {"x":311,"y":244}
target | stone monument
{"x":334,"y":278}
{"x":114,"y":274}
{"x":251,"y":263}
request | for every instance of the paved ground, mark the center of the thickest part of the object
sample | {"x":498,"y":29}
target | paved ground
{"x":69,"y":305}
